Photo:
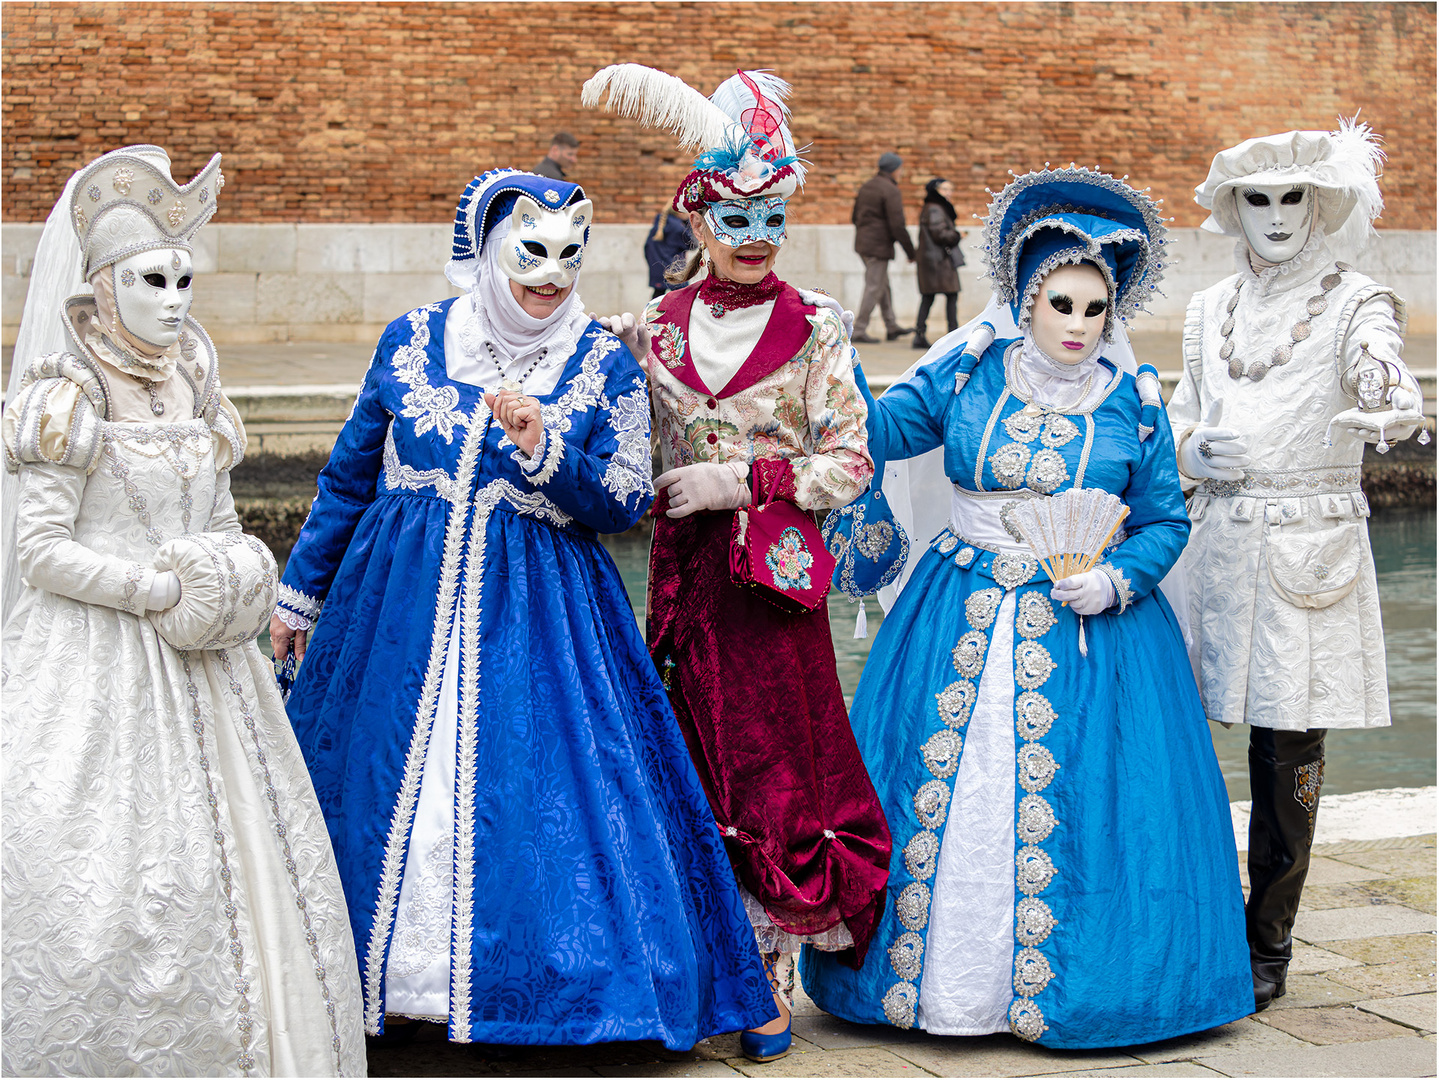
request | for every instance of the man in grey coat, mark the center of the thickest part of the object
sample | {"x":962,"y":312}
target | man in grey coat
{"x":878,"y":218}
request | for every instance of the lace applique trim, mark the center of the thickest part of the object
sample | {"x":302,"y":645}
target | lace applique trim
{"x":431,"y":408}
{"x":293,"y":621}
{"x":628,"y":470}
{"x":540,"y":467}
{"x":1121,"y":583}
{"x":770,"y":938}
{"x":401,"y":477}
{"x":297,"y":602}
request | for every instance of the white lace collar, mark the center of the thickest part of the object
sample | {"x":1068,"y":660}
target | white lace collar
{"x":1313,"y":259}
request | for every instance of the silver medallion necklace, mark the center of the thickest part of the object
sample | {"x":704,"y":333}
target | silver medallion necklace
{"x":1284,"y":351}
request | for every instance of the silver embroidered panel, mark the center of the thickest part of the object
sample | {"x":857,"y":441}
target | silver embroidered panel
{"x":1011,"y":571}
{"x":947,"y":544}
{"x":899,"y":1004}
{"x":1009,"y":463}
{"x":1032,"y":664}
{"x":1059,"y":430}
{"x":941,"y":753}
{"x":921,"y":856}
{"x":1047,"y":471}
{"x":956,"y":703}
{"x":964,"y":557}
{"x":1036,"y":767}
{"x":912,"y":907}
{"x":1032,"y":921}
{"x":931,"y":803}
{"x":1034,"y":715}
{"x":981,"y":607}
{"x":1031,"y":972}
{"x":1026,"y":1020}
{"x":1024,"y":426}
{"x":906,"y":955}
{"x":873,"y":539}
{"x":1034,"y":616}
{"x":969,"y":654}
{"x":1035,"y":820}
{"x":1034,"y":870}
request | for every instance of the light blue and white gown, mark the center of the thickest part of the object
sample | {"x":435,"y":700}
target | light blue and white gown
{"x":526,"y":850}
{"x":1063,"y":866}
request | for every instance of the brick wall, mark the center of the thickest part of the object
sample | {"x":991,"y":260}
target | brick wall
{"x":380,"y":112}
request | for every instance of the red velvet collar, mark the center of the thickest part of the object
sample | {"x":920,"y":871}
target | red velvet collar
{"x":784,"y":336}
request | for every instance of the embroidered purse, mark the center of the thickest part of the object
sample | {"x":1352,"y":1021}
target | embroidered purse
{"x":869,"y":546}
{"x":776,"y":549}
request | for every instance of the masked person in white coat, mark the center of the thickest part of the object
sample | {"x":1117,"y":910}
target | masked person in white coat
{"x":1291,"y":366}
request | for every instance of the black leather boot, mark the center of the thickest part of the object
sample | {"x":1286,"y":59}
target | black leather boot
{"x":1286,"y":771}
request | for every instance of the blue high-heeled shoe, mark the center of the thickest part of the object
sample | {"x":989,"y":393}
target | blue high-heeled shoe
{"x":761,"y":1048}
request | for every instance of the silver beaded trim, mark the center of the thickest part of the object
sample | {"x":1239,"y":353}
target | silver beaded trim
{"x":1034,"y":615}
{"x":968,"y":653}
{"x":1008,"y":464}
{"x":1047,"y":471}
{"x":1032,"y":664}
{"x":956,"y":702}
{"x":981,"y":607}
{"x":1011,"y":571}
{"x":1122,"y":587}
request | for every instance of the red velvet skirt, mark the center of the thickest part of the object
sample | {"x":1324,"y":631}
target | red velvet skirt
{"x":757,"y":697}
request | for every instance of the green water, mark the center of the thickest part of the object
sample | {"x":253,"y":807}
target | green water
{"x":1402,"y":755}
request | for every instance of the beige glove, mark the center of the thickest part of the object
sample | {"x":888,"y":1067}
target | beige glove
{"x":706,"y":485}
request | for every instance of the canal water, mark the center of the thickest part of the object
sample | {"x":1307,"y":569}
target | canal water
{"x":1402,"y":755}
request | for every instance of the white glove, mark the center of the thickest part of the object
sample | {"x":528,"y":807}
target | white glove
{"x":633,"y":332}
{"x":707,"y":485}
{"x":1214,"y":453}
{"x":164,"y":591}
{"x":819,"y":299}
{"x":1088,"y":593}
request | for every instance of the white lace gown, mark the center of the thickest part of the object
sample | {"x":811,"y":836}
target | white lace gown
{"x":171,"y":900}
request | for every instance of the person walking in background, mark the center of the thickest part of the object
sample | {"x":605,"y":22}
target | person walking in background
{"x":939,"y":258}
{"x":878,"y":218}
{"x":669,"y":238}
{"x":564,"y":153}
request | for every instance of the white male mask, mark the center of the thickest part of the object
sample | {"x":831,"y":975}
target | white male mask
{"x":544,"y":247}
{"x":1276,"y":218}
{"x":152,"y":294}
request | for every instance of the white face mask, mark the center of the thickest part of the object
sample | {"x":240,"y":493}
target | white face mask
{"x":544,"y":248}
{"x":152,"y":294}
{"x":1067,"y":321}
{"x":1276,"y":218}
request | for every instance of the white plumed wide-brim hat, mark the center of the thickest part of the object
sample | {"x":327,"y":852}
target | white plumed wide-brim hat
{"x":1341,"y":165}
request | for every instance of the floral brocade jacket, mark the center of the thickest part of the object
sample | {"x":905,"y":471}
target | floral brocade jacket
{"x":793,"y":400}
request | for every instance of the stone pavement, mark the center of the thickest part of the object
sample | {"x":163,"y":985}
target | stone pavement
{"x":1361,"y":1002}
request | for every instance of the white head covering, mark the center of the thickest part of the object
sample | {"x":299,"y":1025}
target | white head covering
{"x":513,"y":332}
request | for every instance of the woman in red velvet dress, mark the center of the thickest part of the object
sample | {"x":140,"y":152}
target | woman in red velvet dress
{"x":754,"y":396}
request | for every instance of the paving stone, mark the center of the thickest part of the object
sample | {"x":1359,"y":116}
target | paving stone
{"x":1382,"y":950}
{"x":1324,"y":1026}
{"x":1307,"y":991}
{"x":1178,"y":1068}
{"x":1377,"y":920}
{"x":998,"y":1055}
{"x":1407,"y":1056}
{"x":1399,"y":862}
{"x":1247,"y":1034}
{"x":1348,"y":895}
{"x":1330,"y":871}
{"x":1311,"y":960}
{"x":668,"y":1068}
{"x":1389,"y":980}
{"x":1414,"y":892}
{"x":860,"y":1061}
{"x":1415,"y":1010}
{"x":831,"y":1033}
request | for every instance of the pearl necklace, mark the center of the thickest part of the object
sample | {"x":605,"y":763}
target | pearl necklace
{"x":1284,"y":351}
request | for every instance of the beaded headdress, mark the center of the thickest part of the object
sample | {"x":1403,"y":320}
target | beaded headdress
{"x":1341,"y":166}
{"x":126,"y":202}
{"x":1055,"y":217}
{"x":747,"y":150}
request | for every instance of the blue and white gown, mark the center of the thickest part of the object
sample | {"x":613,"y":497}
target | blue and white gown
{"x":1064,"y":865}
{"x":524,"y":844}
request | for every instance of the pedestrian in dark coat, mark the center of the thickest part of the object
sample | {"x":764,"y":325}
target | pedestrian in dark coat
{"x":939,"y":257}
{"x":878,"y":218}
{"x":668,"y":239}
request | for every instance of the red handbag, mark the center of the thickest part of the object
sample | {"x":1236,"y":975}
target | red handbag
{"x":776,"y":548}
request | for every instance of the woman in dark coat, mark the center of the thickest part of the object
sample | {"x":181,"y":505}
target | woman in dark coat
{"x":939,"y":256}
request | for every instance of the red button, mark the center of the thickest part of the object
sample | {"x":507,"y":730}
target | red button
{"x":711,"y":403}
{"x":712,"y":437}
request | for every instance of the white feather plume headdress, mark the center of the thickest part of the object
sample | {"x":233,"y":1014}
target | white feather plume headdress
{"x":1341,"y":165}
{"x":742,"y":130}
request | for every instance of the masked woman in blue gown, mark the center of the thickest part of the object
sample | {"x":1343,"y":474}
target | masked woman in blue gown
{"x":1064,"y":866}
{"x":526,"y":850}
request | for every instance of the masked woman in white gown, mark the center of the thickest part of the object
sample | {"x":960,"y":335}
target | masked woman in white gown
{"x":171,"y":900}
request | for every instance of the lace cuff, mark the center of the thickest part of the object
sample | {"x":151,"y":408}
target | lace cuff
{"x":293,"y":621}
{"x":301,"y":609}
{"x":540,"y":467}
{"x":1121,"y":584}
{"x":773,"y":480}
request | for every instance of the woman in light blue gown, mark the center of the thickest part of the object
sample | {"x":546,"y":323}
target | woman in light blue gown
{"x":1064,"y":866}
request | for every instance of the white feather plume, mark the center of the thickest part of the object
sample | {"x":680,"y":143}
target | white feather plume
{"x":659,"y":100}
{"x":1354,"y":165}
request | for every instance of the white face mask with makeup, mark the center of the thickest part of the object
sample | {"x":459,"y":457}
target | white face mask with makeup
{"x":152,"y":295}
{"x":1276,"y":218}
{"x":1067,"y":322}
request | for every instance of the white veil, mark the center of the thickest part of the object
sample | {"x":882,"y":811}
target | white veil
{"x":54,"y":278}
{"x":918,"y":491}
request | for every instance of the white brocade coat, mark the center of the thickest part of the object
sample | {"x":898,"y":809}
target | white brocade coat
{"x":1284,"y":606}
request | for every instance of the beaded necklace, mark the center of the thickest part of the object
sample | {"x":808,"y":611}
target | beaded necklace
{"x":1300,"y":331}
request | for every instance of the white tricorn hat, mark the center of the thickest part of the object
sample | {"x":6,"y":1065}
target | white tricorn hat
{"x":1342,"y":166}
